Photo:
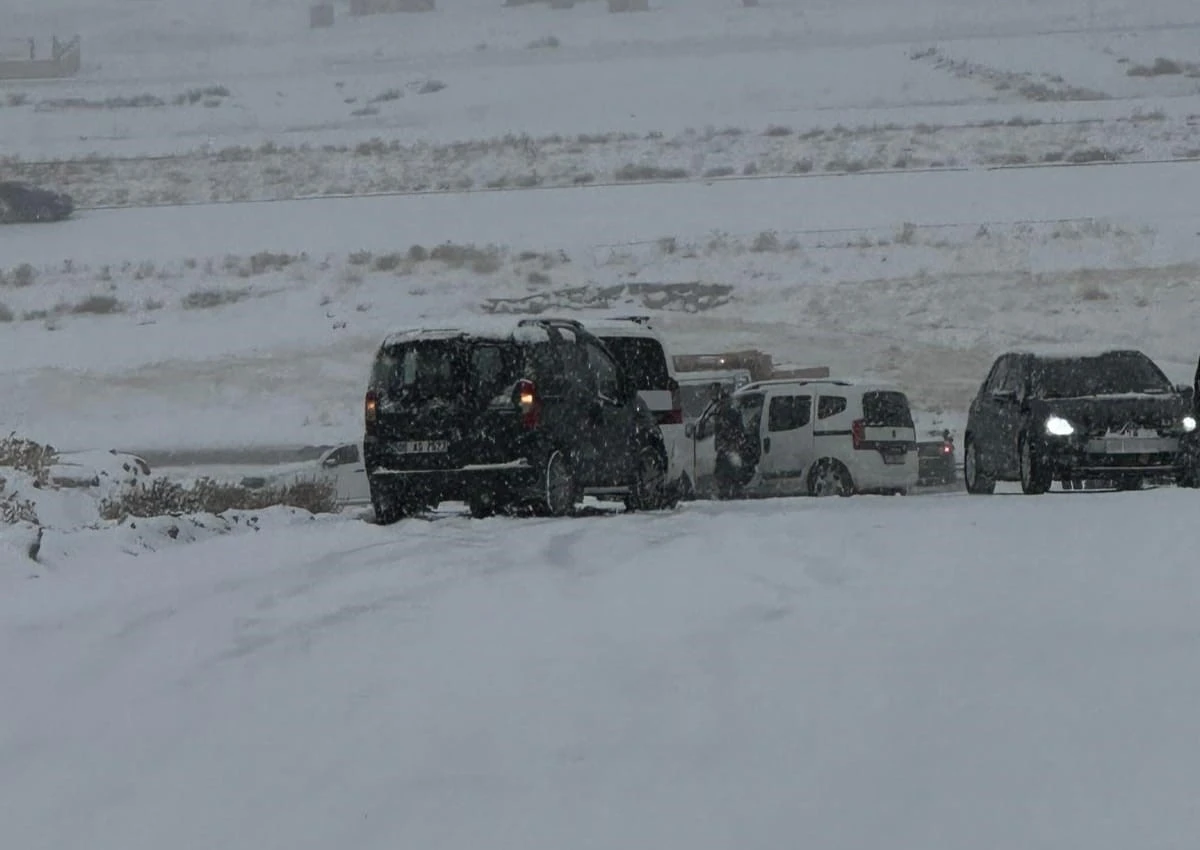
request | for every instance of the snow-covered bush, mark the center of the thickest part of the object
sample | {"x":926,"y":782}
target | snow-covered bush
{"x":164,"y":497}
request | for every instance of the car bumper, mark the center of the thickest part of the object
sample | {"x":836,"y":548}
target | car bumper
{"x":1116,"y":456}
{"x":458,"y":483}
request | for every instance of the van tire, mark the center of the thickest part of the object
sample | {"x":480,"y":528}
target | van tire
{"x":557,"y":488}
{"x":829,"y":477}
{"x":650,"y":491}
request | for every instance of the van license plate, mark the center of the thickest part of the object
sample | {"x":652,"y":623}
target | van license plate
{"x":893,"y":459}
{"x":423,"y":447}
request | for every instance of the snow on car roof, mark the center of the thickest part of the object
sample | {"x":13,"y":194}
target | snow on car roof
{"x":858,"y":384}
{"x":1069,"y":352}
{"x":480,"y":329}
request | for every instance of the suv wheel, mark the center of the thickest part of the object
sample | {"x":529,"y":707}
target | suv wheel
{"x":978,"y":484}
{"x":557,"y":491}
{"x":1035,"y":478}
{"x":650,"y":492}
{"x":830,"y":478}
{"x":386,"y":505}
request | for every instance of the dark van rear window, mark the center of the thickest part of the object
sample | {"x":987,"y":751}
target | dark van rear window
{"x":445,"y":369}
{"x":642,"y":359}
{"x":887,"y":409}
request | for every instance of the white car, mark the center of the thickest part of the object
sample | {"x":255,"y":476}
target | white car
{"x":643,"y":356}
{"x":111,"y":472}
{"x":342,"y":466}
{"x":818,"y":437}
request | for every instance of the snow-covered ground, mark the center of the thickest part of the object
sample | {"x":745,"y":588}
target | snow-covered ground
{"x":839,"y":674}
{"x":218,"y":329}
{"x":937,"y":671}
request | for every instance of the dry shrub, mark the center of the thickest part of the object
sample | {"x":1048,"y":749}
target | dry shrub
{"x":98,"y":305}
{"x":203,"y":299}
{"x":1092,"y":291}
{"x":27,"y":456}
{"x":388,"y":262}
{"x":22,"y":275}
{"x":168,"y":498}
{"x":265,"y":261}
{"x":632,"y":173}
{"x":14,"y":510}
{"x":480,"y":260}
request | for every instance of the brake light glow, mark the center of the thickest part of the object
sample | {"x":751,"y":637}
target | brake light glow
{"x":947,"y":448}
{"x":858,"y":434}
{"x":530,"y":405}
{"x":371,"y":409}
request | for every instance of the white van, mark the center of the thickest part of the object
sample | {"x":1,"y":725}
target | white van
{"x":816,"y":437}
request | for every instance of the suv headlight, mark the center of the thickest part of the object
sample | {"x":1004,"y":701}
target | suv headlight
{"x":1188,"y":423}
{"x":1056,"y":426}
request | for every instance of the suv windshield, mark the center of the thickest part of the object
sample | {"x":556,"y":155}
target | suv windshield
{"x":445,"y":369}
{"x":642,"y":360}
{"x":1107,"y":374}
{"x":887,"y":409}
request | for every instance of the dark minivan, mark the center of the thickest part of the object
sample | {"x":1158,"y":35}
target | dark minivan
{"x":529,"y":416}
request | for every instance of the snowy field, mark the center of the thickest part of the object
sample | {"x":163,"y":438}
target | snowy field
{"x":717,"y":128}
{"x":254,"y":324}
{"x":841,"y":674}
{"x":893,"y":189}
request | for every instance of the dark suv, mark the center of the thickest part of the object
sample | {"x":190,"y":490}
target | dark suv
{"x":531,"y":416}
{"x":1112,"y":416}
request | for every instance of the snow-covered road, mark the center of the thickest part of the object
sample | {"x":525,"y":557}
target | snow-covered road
{"x":601,"y":215}
{"x":850,"y":674}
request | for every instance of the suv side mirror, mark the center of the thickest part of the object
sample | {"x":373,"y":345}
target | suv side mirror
{"x":689,"y":430}
{"x":329,"y":462}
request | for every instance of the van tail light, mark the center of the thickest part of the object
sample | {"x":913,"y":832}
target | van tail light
{"x":858,"y":434}
{"x":527,"y":400}
{"x":371,"y":410}
{"x":947,"y":448}
{"x":674,"y":416}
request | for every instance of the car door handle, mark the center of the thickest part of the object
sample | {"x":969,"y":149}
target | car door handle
{"x":766,"y":445}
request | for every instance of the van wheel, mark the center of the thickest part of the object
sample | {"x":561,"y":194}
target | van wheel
{"x":830,"y":478}
{"x":687,"y":493}
{"x":558,"y":491}
{"x":650,"y":489}
{"x":977,"y":481}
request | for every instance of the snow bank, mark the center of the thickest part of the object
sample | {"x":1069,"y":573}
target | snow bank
{"x":932,"y":671}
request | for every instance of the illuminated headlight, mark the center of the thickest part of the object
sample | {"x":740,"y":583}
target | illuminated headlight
{"x":1056,"y":426}
{"x":1189,"y":423}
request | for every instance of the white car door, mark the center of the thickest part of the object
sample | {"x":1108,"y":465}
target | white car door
{"x":352,"y":478}
{"x":787,"y":443}
{"x":344,"y":465}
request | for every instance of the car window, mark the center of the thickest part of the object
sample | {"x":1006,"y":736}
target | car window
{"x":789,"y":412}
{"x":444,"y":369}
{"x":998,"y":374}
{"x":604,"y":371}
{"x":751,"y":408}
{"x":1115,"y":373}
{"x":830,"y":405}
{"x":887,"y":409}
{"x":642,"y":359}
{"x":695,"y":398}
{"x":345,"y":455}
